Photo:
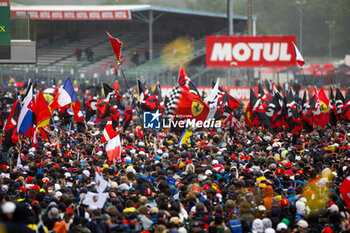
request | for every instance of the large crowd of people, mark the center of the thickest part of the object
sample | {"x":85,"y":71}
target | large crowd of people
{"x":225,"y":181}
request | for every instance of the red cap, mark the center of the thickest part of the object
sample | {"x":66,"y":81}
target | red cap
{"x":188,"y":161}
{"x":3,"y":167}
{"x":300,"y":172}
{"x":23,"y":189}
{"x":327,"y":230}
{"x":278,"y":171}
{"x":148,"y":192}
{"x":284,"y":202}
{"x":30,"y":180}
{"x":288,"y":165}
{"x":35,"y":187}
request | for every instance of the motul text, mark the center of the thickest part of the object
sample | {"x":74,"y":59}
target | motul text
{"x":250,"y":51}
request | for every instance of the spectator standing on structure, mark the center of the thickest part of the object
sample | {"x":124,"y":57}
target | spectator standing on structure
{"x":89,"y":53}
{"x":77,"y":53}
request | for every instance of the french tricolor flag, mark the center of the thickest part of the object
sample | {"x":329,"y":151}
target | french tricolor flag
{"x":26,"y":115}
{"x":298,"y":56}
{"x":66,"y":96}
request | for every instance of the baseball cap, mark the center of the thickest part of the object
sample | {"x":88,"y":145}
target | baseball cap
{"x":302,"y":223}
{"x":281,"y":226}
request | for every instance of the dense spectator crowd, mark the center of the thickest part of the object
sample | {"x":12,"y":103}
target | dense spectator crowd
{"x":226,"y":181}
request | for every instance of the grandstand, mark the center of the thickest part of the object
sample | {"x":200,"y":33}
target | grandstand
{"x":145,"y":29}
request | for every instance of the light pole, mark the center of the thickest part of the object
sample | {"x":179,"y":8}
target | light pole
{"x":301,"y":3}
{"x":330,"y":23}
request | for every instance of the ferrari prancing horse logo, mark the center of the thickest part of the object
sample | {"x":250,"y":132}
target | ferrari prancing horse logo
{"x":196,"y":108}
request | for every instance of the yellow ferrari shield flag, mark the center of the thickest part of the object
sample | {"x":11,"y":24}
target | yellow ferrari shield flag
{"x":186,"y":137}
{"x":196,"y":108}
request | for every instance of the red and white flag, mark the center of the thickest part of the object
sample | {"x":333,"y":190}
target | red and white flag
{"x":298,"y":56}
{"x":108,"y":133}
{"x":113,"y":148}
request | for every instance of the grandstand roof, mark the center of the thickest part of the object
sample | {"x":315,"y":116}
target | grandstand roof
{"x":111,"y":8}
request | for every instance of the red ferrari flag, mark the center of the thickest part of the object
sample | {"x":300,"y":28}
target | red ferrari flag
{"x":322,"y":113}
{"x":190,"y":106}
{"x":117,"y":47}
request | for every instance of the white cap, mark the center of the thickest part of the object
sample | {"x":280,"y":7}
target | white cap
{"x":58,"y":194}
{"x":141,"y":144}
{"x":8,"y":207}
{"x":261,"y":208}
{"x":302,"y":223}
{"x":159,"y":151}
{"x":142,"y":153}
{"x":67,"y":175}
{"x":269,"y":230}
{"x":334,"y":209}
{"x":281,"y":226}
{"x":208,"y":172}
{"x":86,"y":173}
{"x":215,"y":162}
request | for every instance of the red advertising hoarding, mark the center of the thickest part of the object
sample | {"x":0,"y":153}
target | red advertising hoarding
{"x":250,"y":51}
{"x":4,"y":2}
{"x":75,"y":15}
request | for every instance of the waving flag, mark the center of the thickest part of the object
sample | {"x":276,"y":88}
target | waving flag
{"x":117,"y":47}
{"x":66,"y":96}
{"x":345,"y":191}
{"x":186,"y":105}
{"x":332,"y":109}
{"x":109,"y":132}
{"x":299,"y":59}
{"x":274,"y":111}
{"x":339,"y":103}
{"x":26,"y":115}
{"x":41,"y":111}
{"x":212,"y":100}
{"x":10,"y":129}
{"x":322,"y":113}
{"x":186,"y":137}
{"x":113,"y":148}
{"x":185,"y":82}
{"x":346,"y":107}
{"x":308,"y":113}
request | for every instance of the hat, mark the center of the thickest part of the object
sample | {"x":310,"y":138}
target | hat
{"x":302,"y":223}
{"x":8,"y":207}
{"x":144,"y":200}
{"x":86,"y":173}
{"x":215,"y":162}
{"x":333,"y":209}
{"x":53,"y":213}
{"x":235,"y":212}
{"x":175,"y":220}
{"x":327,"y":230}
{"x":148,"y":192}
{"x":261,"y":208}
{"x":208,"y":172}
{"x":30,"y":180}
{"x":269,"y":230}
{"x":281,"y":226}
